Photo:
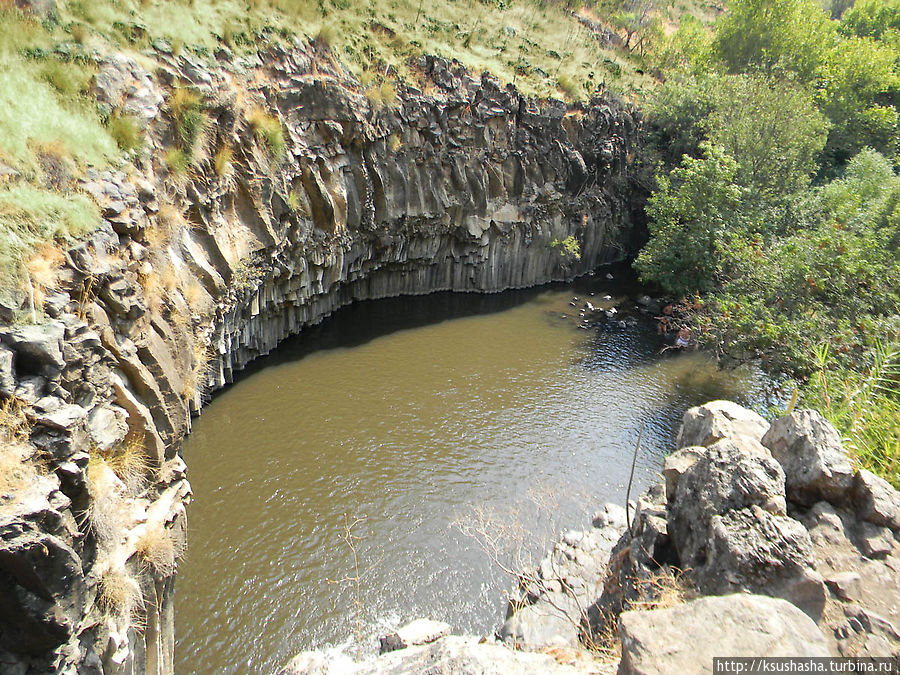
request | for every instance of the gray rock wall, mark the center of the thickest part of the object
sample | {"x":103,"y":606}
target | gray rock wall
{"x":460,"y":185}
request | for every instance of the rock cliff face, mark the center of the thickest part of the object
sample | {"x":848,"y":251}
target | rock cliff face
{"x":301,"y":196}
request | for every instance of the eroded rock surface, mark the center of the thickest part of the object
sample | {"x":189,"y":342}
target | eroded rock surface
{"x":793,"y":523}
{"x":686,"y":638}
{"x":187,"y":278}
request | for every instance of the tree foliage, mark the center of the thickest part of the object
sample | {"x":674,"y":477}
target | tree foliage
{"x":695,"y":216}
{"x":773,"y":131}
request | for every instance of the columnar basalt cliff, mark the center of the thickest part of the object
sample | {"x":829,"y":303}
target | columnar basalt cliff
{"x":302,"y":196}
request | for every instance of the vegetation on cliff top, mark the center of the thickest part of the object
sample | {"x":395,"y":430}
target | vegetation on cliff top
{"x":51,"y":127}
{"x":775,"y":195}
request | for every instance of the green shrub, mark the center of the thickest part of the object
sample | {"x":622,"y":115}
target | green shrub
{"x":267,"y":129}
{"x":864,"y":405}
{"x":126,"y":131}
{"x":177,"y":161}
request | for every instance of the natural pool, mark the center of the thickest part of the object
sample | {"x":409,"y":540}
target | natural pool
{"x":410,"y":412}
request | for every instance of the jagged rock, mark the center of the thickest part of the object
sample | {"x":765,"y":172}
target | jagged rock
{"x":451,"y":655}
{"x":57,"y":414}
{"x":809,"y":450}
{"x":875,"y":500}
{"x":713,"y":421}
{"x":548,"y":607}
{"x":418,"y":632}
{"x":122,"y":84}
{"x":750,"y":549}
{"x":30,"y":389}
{"x":875,"y":541}
{"x":733,"y":473}
{"x":42,"y":587}
{"x":38,"y":347}
{"x":107,"y":426}
{"x":676,"y":464}
{"x":685,"y":638}
{"x":41,"y":7}
{"x":7,"y":372}
{"x":865,"y":633}
{"x":845,"y":585}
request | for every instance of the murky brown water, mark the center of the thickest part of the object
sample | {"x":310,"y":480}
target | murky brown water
{"x":409,"y":412}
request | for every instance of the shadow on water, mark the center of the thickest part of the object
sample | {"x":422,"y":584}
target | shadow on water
{"x":411,"y":411}
{"x":367,"y":320}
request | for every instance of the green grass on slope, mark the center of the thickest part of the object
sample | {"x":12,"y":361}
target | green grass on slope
{"x":51,"y":129}
{"x":535,"y":44}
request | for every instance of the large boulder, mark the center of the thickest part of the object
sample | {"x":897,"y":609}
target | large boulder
{"x":713,"y":421}
{"x":809,"y":450}
{"x":733,"y":473}
{"x":876,"y":501}
{"x":38,"y":347}
{"x":686,"y":638}
{"x":750,"y":549}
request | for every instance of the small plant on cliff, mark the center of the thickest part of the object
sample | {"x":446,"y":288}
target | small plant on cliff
{"x":177,"y":161}
{"x":326,"y":36}
{"x":126,"y":131}
{"x":158,"y":550}
{"x":569,"y":247}
{"x":267,"y":129}
{"x":17,"y":463}
{"x":222,"y":162}
{"x":864,"y":406}
{"x":119,"y":595}
{"x":191,"y":120}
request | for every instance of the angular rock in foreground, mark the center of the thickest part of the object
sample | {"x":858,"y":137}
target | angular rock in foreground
{"x":705,"y":424}
{"x":810,"y":452}
{"x":548,"y":610}
{"x":686,"y":638}
{"x":452,"y":654}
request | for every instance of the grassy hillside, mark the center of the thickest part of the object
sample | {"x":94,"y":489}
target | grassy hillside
{"x":51,"y":129}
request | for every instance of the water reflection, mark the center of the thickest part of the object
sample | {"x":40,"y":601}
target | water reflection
{"x":411,"y":411}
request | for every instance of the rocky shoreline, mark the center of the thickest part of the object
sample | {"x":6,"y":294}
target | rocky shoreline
{"x":763,"y":539}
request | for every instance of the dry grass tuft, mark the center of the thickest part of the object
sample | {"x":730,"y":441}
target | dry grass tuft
{"x":158,"y":550}
{"x":194,"y":295}
{"x":195,"y":380}
{"x":169,"y":222}
{"x":17,"y":466}
{"x":223,"y":160}
{"x":42,"y":272}
{"x":130,"y":463}
{"x":267,"y":130}
{"x":119,"y":595}
{"x":104,"y":515}
{"x":665,"y":589}
{"x":154,"y":294}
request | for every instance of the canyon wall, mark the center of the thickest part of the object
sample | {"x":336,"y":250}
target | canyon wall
{"x":305,"y":192}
